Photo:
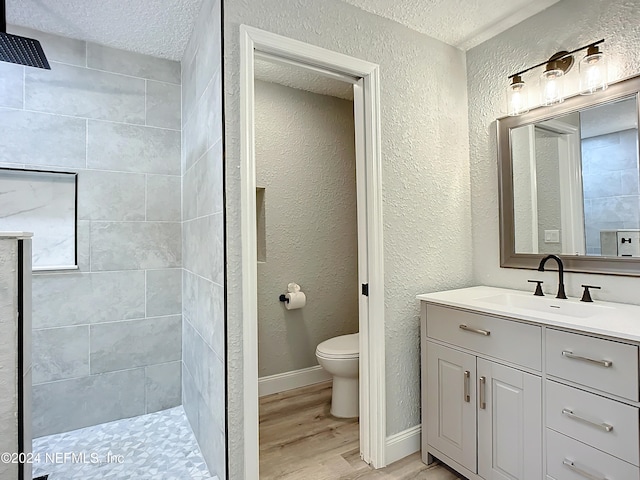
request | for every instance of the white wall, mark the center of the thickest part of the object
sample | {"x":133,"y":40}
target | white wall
{"x":566,"y":25}
{"x":305,"y":161}
{"x":427,"y":233}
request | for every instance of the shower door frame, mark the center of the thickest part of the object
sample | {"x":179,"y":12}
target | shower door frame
{"x":366,"y":79}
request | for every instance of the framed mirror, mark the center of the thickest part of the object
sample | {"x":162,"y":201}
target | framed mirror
{"x":569,"y":180}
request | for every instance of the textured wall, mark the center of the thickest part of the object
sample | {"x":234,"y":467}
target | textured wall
{"x":8,"y":353}
{"x":202,"y":238}
{"x":488,"y":65}
{"x":548,"y":182}
{"x":305,"y":161}
{"x":106,"y":337}
{"x":427,"y":234}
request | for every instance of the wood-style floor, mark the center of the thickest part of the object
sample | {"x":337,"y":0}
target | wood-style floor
{"x":300,"y":440}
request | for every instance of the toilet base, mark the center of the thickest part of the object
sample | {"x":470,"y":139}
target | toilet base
{"x":345,"y":397}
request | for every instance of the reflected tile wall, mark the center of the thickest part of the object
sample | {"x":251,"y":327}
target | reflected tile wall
{"x":611,"y":183}
{"x":203,"y":377}
{"x":108,"y":337}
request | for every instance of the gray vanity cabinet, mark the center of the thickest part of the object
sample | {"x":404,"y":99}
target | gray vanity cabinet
{"x":482,"y":416}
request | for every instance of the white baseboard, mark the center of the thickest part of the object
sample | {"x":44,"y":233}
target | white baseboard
{"x":290,"y":380}
{"x":402,"y":444}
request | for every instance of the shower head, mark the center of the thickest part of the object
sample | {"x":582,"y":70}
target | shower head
{"x":17,"y":49}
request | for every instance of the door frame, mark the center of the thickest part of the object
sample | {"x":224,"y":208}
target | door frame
{"x":366,"y":78}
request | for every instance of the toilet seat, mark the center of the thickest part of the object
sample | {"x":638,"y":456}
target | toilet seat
{"x":344,"y":346}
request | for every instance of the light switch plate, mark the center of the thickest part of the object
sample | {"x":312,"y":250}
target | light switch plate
{"x":552,"y":236}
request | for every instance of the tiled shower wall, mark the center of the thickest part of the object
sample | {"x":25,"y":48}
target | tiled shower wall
{"x":107,"y":338}
{"x":203,"y":376}
{"x":610,"y":182}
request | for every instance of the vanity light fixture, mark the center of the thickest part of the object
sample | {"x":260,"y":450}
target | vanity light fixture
{"x":593,"y":71}
{"x":593,"y":78}
{"x":517,"y":96}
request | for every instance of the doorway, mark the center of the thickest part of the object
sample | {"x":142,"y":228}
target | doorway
{"x":365,"y":78}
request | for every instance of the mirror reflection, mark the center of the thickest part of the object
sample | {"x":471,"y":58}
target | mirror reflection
{"x":576,"y":183}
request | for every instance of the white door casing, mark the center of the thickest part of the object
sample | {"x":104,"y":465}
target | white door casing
{"x":365,"y":76}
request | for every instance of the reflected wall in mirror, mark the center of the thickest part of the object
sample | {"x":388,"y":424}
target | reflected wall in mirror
{"x":570,"y":183}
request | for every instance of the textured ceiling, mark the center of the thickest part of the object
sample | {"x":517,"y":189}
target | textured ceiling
{"x":154,"y":27}
{"x":162,"y":27}
{"x":302,"y":79}
{"x":461,"y":23}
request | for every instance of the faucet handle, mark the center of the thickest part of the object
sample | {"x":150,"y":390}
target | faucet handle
{"x":586,"y":295}
{"x":538,"y":292}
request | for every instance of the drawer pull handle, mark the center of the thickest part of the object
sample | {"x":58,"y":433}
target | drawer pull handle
{"x":604,"y":426}
{"x":602,"y":363}
{"x":483,"y":386}
{"x":580,"y":471}
{"x":467,"y":378}
{"x":479,"y":331}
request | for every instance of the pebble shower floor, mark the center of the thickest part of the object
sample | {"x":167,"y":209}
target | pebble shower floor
{"x":149,"y":447}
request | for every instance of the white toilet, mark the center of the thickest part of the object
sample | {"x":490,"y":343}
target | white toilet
{"x":340,"y":357}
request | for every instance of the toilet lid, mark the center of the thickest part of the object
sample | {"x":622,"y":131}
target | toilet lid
{"x":344,"y":346}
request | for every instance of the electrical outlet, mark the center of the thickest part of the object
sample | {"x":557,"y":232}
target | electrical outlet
{"x":552,"y":236}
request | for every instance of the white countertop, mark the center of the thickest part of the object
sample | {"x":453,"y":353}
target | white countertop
{"x":16,"y":234}
{"x":616,"y":320}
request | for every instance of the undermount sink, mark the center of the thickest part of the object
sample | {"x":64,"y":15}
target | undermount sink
{"x":545,"y":304}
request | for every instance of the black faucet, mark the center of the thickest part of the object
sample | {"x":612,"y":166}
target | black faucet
{"x":561,"y":293}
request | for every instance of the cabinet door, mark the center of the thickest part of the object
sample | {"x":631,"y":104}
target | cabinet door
{"x":509,"y":423}
{"x":451,"y":405}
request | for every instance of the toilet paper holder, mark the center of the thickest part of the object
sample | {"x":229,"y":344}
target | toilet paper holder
{"x":282,"y":298}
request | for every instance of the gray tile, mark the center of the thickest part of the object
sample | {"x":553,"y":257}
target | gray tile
{"x":209,"y":52}
{"x":163,"y":105}
{"x":615,"y":209}
{"x":131,"y":148}
{"x":215,"y":396}
{"x":164,"y":292}
{"x":164,"y":386}
{"x":83,"y":245}
{"x":195,"y":135}
{"x":111,"y":196}
{"x":71,"y":404}
{"x":630,"y":182}
{"x":135,"y":245}
{"x":60,"y":353}
{"x":203,"y":249}
{"x":11,"y":85}
{"x":163,"y":198}
{"x":212,"y":102}
{"x":80,"y":92}
{"x":189,"y":295}
{"x":134,"y":64}
{"x":135,"y":343}
{"x":56,"y":48}
{"x":209,"y":178}
{"x":190,"y":182}
{"x":188,"y":87}
{"x":211,"y":441}
{"x":42,"y":139}
{"x":209,"y":320}
{"x":193,"y":356}
{"x":84,"y":298}
{"x":190,"y":399}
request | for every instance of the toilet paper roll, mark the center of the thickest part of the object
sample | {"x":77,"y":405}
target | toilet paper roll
{"x":296,"y":300}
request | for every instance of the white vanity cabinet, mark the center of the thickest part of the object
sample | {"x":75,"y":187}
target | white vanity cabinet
{"x":513,"y":393}
{"x":481,"y":416}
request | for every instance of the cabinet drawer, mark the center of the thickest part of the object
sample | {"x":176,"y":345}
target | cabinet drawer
{"x":601,"y":364}
{"x":585,"y":462}
{"x":514,"y":342}
{"x":603,"y":423}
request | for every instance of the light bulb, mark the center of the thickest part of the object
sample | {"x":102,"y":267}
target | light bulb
{"x":552,"y":85}
{"x":593,"y":71}
{"x":517,"y":97}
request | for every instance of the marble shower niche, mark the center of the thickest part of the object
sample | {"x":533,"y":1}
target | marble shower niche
{"x":44,"y":203}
